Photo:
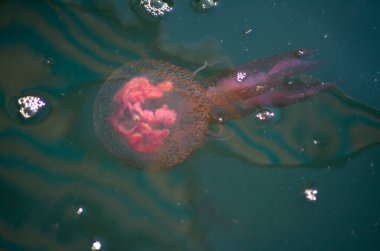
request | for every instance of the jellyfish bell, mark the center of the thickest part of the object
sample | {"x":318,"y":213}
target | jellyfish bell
{"x":151,"y":114}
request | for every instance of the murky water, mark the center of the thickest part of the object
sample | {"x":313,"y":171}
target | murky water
{"x":243,"y":190}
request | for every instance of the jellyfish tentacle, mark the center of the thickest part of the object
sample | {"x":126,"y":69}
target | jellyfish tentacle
{"x":237,"y":93}
{"x":284,"y":97}
{"x":201,"y":68}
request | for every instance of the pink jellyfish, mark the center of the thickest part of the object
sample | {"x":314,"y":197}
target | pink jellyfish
{"x":153,"y":115}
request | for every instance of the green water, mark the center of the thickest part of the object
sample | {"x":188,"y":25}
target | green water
{"x":219,"y":199}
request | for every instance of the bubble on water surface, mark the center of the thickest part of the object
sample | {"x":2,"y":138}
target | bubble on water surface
{"x":29,"y":108}
{"x":203,"y":5}
{"x":267,"y":114}
{"x":311,"y":194}
{"x":96,"y":245}
{"x":152,"y":10}
{"x":30,"y":105}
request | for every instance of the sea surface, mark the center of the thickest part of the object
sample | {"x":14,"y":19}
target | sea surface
{"x":60,"y":189}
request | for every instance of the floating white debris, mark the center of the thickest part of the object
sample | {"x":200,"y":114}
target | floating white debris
{"x":96,"y":245}
{"x":311,"y":194}
{"x":80,"y":210}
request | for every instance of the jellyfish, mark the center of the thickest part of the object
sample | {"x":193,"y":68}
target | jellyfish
{"x":153,"y":115}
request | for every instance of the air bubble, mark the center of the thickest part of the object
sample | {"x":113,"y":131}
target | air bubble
{"x":267,"y":114}
{"x":152,"y":10}
{"x":299,"y":53}
{"x":80,"y":210}
{"x":96,"y":245}
{"x":247,"y":32}
{"x":30,"y":105}
{"x":203,"y":5}
{"x":49,"y":61}
{"x":240,"y":76}
{"x":311,"y":194}
{"x":325,"y":36}
{"x":28,"y":108}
